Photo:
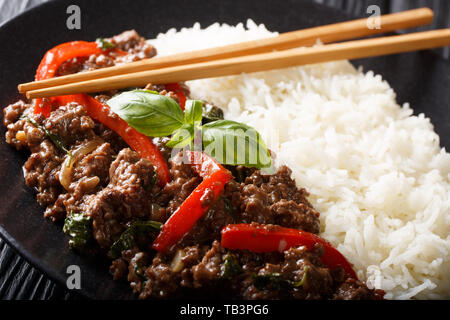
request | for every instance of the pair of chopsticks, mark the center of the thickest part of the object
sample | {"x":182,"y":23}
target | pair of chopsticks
{"x":254,"y":56}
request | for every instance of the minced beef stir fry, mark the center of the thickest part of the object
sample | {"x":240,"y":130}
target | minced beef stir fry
{"x":255,"y":234}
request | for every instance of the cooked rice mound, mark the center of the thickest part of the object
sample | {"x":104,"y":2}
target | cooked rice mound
{"x":374,"y":170}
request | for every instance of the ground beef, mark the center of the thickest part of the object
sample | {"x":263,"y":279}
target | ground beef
{"x":73,"y":128}
{"x":41,"y":172}
{"x":90,"y":175}
{"x":126,"y":197}
{"x":161,"y":142}
{"x":14,"y":124}
{"x":210,"y":268}
{"x":297,"y":264}
{"x":275,"y":199}
{"x":71,"y":124}
{"x":131,"y":42}
{"x":137,"y":47}
{"x":353,"y":289}
{"x":161,"y":280}
{"x":119,"y":268}
{"x":94,"y":164}
{"x":110,"y":136}
{"x":161,"y":89}
{"x":203,"y":270}
{"x":178,"y":189}
{"x":136,"y":269}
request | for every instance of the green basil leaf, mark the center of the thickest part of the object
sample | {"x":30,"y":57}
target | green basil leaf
{"x":182,"y":137}
{"x":151,"y":114}
{"x":193,"y":112}
{"x":234,"y":143}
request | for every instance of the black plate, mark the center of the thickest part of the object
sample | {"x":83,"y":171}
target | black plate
{"x":420,"y":78}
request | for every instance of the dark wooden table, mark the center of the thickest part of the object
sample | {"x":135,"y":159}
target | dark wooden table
{"x":19,"y":280}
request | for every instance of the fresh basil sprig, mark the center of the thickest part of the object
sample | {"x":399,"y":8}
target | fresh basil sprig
{"x":248,"y":147}
{"x":193,"y":113}
{"x":230,"y":142}
{"x":182,"y":137}
{"x":149,"y":113}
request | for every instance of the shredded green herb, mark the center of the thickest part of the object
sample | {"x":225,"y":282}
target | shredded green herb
{"x":276,"y":281}
{"x":56,"y":139}
{"x":127,"y":239}
{"x":104,"y":44}
{"x":139,"y":272}
{"x":79,"y":227}
{"x":153,"y":182}
{"x":303,"y":280}
{"x":230,"y":267}
{"x":229,"y":207}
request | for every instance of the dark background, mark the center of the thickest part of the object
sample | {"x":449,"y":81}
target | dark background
{"x":19,"y":280}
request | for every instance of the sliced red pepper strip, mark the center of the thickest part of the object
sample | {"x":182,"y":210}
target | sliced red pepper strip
{"x":56,"y":56}
{"x":184,"y":218}
{"x":137,"y":141}
{"x":176,"y":88}
{"x":259,"y":238}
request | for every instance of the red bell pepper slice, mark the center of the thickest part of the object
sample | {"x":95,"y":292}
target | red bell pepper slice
{"x":136,"y":140}
{"x":259,"y":238}
{"x":56,"y":56}
{"x":176,"y":88}
{"x":184,"y":218}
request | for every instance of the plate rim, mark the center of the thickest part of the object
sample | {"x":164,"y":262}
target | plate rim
{"x":16,"y":246}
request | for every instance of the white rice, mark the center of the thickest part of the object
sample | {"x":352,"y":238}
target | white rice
{"x":374,"y":171}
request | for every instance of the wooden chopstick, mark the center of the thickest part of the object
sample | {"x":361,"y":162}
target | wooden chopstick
{"x":306,"y":37}
{"x":259,"y":62}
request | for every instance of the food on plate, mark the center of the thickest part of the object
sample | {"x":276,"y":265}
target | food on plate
{"x":138,"y":175}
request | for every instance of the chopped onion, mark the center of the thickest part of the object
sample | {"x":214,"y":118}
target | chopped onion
{"x":21,"y":136}
{"x":177,"y":265}
{"x":65,"y":175}
{"x":90,"y":183}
